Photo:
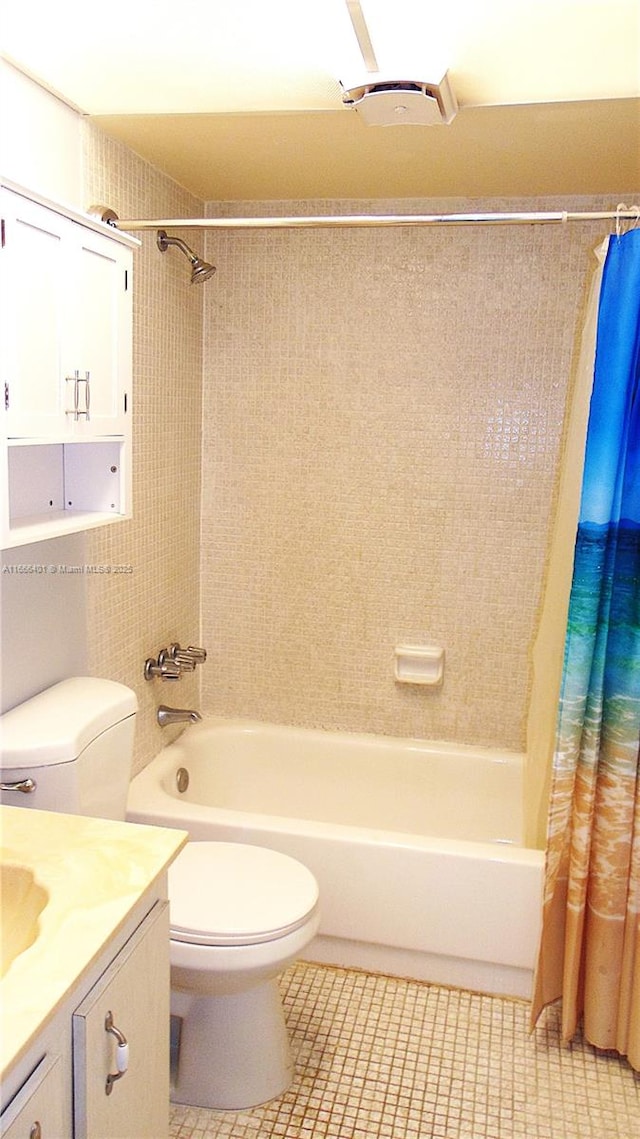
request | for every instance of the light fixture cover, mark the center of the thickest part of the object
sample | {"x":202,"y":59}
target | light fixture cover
{"x":383,"y":101}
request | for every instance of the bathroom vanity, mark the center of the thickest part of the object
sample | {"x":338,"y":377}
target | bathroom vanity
{"x":84,"y":992}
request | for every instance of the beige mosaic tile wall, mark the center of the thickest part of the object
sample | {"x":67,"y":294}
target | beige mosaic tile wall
{"x":383,"y":410}
{"x":131,"y":616}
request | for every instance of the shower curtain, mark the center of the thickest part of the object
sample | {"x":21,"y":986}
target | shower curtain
{"x":590,"y":946}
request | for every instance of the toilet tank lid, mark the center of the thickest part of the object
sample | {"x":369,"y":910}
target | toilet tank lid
{"x":58,"y":724}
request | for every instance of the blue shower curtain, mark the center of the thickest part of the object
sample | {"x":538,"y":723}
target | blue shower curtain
{"x":590,"y":948}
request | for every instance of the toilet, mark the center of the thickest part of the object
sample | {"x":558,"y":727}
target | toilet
{"x":240,"y":914}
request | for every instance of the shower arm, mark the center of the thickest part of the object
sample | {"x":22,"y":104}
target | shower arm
{"x":200,"y":270}
{"x":164,"y":241}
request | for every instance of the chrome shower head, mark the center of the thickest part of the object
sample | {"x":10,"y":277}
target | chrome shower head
{"x":200,"y":270}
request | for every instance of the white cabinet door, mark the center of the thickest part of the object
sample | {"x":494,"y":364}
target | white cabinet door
{"x":134,"y":992}
{"x":33,"y":305}
{"x":98,"y":339}
{"x":37,"y":1111}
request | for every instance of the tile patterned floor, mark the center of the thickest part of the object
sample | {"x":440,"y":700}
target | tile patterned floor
{"x":383,"y":1058}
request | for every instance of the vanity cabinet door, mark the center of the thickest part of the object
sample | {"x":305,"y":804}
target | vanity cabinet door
{"x":37,"y":1111}
{"x":132,"y":996}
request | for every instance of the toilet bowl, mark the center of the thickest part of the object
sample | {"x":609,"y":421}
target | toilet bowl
{"x":239,"y":915}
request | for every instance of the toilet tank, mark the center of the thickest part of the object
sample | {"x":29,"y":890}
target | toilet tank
{"x":75,"y":741}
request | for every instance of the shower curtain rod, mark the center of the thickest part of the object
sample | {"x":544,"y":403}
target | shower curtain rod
{"x":369,"y":220}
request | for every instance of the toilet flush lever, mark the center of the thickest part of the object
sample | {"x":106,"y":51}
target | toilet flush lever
{"x":26,"y":786}
{"x":122,"y":1053}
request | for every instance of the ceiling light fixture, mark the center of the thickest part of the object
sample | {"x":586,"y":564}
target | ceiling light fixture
{"x":389,"y":102}
{"x":389,"y":98}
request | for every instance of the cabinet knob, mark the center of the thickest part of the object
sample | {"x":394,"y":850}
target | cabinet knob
{"x":122,"y":1053}
{"x":36,"y":1130}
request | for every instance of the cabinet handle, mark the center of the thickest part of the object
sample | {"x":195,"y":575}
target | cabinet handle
{"x":76,"y":379}
{"x":122,"y":1053}
{"x":87,"y":395}
{"x":73,"y":380}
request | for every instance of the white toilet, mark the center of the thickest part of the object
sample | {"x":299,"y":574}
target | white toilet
{"x":239,"y":914}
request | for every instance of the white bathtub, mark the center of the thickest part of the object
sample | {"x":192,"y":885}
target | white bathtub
{"x":416,"y":845}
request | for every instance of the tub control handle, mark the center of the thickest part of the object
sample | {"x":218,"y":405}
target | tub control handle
{"x":122,"y":1053}
{"x":173,"y":661}
{"x":178,"y":660}
{"x":166,"y":669}
{"x":194,"y":653}
{"x":187,"y":658}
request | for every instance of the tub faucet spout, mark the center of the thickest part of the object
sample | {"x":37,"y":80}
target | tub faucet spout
{"x":167,"y":716}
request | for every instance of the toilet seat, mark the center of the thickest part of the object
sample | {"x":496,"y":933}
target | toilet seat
{"x":227,"y":893}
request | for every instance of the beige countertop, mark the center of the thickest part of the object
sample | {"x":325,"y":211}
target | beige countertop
{"x":95,"y":871}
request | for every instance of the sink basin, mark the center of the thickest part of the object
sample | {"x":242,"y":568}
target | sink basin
{"x":23,"y":900}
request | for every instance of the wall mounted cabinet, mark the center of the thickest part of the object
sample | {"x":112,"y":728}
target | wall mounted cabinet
{"x":66,"y":361}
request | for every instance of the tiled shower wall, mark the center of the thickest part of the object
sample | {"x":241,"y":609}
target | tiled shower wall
{"x":133,"y":614}
{"x":383,"y":412}
{"x":382,"y":418}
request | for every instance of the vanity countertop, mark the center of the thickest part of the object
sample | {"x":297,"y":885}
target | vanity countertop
{"x":95,"y":872}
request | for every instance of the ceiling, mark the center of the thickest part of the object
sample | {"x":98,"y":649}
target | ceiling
{"x":243,"y":100}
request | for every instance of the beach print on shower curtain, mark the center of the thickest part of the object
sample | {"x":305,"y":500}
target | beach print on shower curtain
{"x":590,"y":949}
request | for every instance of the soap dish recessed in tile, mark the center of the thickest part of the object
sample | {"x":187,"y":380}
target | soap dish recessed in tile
{"x":419,"y":664}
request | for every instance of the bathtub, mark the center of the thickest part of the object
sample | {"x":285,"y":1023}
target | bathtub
{"x":416,"y":845}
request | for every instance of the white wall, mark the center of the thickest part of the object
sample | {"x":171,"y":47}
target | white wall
{"x":43,"y":616}
{"x":40,"y":139}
